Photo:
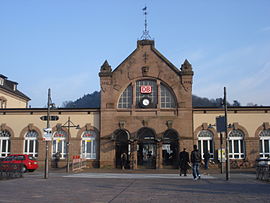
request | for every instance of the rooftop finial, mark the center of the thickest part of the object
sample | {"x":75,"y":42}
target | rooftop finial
{"x":145,"y":35}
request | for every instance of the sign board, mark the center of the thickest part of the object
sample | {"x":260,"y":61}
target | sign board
{"x":220,"y":123}
{"x":146,"y":89}
{"x":222,"y":153}
{"x":52,"y":118}
{"x":47,"y":135}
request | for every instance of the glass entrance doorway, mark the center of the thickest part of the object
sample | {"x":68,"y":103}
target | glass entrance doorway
{"x":170,"y":149}
{"x":147,"y":155}
{"x":146,"y":149}
{"x":121,"y":146}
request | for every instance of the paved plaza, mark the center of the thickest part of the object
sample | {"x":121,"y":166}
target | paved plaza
{"x":118,"y":186}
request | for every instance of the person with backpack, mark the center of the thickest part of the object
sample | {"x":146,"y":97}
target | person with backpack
{"x":196,"y":159}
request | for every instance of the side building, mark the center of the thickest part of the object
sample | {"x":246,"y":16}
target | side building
{"x":10,"y":96}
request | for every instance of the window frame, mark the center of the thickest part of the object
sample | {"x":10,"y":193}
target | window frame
{"x":27,"y":143}
{"x":56,"y":142}
{"x":6,"y":139}
{"x":264,"y":136}
{"x":92,"y":139}
{"x":239,"y":142}
{"x":202,"y":138}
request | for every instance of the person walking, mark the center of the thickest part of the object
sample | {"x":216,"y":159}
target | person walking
{"x":57,"y":159}
{"x":183,"y":162}
{"x":123,"y":160}
{"x":206,"y":157}
{"x":196,"y":159}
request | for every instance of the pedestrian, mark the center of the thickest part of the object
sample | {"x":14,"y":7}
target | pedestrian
{"x":123,"y":160}
{"x":183,"y":162}
{"x":196,"y":159}
{"x":206,"y":157}
{"x":57,"y":158}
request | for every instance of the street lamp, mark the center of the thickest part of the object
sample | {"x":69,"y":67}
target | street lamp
{"x":69,"y":124}
{"x":226,"y":136}
{"x":49,"y":106}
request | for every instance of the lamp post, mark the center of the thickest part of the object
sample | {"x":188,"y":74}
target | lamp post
{"x":226,"y":136}
{"x":69,"y":124}
{"x":49,"y":104}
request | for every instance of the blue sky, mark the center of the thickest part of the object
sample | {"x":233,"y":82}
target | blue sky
{"x":61,"y":44}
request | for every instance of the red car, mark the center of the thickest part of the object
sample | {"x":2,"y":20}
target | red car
{"x":29,"y":163}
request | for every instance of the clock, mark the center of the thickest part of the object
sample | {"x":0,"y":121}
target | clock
{"x":145,"y":102}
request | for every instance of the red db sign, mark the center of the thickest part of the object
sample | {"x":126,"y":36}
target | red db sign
{"x":146,"y":89}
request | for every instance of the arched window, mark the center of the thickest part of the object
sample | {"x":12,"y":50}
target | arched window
{"x":89,"y":144}
{"x":4,"y":143}
{"x":146,"y":89}
{"x":236,"y":144}
{"x":265,"y":143}
{"x":125,"y":100}
{"x":205,"y":143}
{"x":59,"y":143}
{"x":167,"y":99}
{"x":31,"y":143}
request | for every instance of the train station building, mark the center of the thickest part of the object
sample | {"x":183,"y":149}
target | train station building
{"x":145,"y":111}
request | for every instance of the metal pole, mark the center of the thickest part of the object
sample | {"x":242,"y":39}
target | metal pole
{"x":67,"y":169}
{"x":226,"y":136}
{"x":221,"y":155}
{"x":46,"y":171}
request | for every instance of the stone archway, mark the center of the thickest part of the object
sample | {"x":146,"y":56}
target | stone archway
{"x":170,"y":149}
{"x":147,"y":148}
{"x":121,"y":137}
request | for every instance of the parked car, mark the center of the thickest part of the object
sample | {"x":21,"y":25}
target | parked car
{"x":29,"y":163}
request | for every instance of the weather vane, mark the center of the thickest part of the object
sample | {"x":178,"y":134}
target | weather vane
{"x":145,"y":35}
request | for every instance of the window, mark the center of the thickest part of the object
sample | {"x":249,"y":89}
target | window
{"x":89,"y":144}
{"x":236,"y":144}
{"x":152,"y":95}
{"x":125,"y":100}
{"x":265,"y":143}
{"x":205,"y":143}
{"x":166,"y":98}
{"x":60,"y":144}
{"x":4,"y":143}
{"x":31,"y":143}
{"x":3,"y":103}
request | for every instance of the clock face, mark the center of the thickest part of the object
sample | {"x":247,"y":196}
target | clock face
{"x":145,"y":102}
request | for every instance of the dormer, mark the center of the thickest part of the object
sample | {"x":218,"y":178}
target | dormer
{"x":2,"y":79}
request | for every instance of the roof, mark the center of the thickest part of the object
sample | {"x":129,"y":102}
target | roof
{"x":8,"y":87}
{"x":155,"y":51}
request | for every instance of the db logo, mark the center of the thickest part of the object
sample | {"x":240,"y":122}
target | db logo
{"x":146,"y":89}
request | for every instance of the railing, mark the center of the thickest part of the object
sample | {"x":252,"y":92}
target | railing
{"x":263,"y":169}
{"x":10,"y":170}
{"x":78,"y":163}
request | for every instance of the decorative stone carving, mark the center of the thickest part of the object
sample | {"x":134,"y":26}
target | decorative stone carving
{"x":169,"y":123}
{"x":122,"y":124}
{"x":186,"y":68}
{"x":145,"y":123}
{"x":105,"y":69}
{"x":145,"y":70}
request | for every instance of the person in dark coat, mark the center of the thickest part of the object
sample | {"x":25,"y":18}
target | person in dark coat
{"x":123,"y":160}
{"x":183,"y":162}
{"x":196,"y":159}
{"x":206,"y":157}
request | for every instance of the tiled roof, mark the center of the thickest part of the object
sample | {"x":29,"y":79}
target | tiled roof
{"x":8,"y":86}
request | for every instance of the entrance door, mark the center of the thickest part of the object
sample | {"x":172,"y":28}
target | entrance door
{"x":146,"y":149}
{"x":147,"y":155}
{"x":121,"y":146}
{"x":170,"y":149}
